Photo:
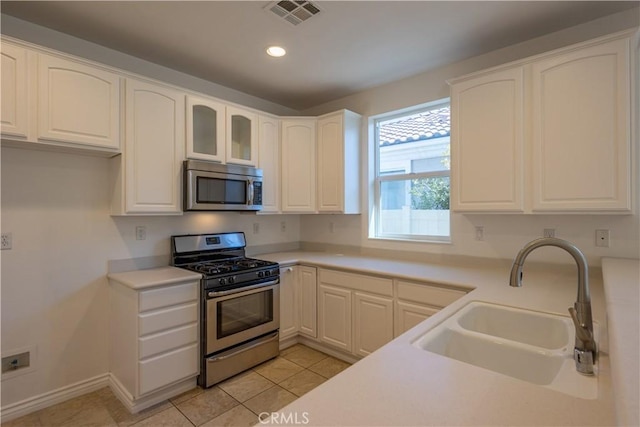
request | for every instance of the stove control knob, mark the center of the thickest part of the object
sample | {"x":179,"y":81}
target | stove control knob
{"x":232,"y":280}
{"x":261,"y":274}
{"x":222,"y":281}
{"x":267,"y":273}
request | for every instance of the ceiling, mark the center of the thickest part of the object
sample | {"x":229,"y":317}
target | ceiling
{"x":347,"y":47}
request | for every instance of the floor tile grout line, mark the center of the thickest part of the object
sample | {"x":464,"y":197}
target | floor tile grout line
{"x":182,"y":413}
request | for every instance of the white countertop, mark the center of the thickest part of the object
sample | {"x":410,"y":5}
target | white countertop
{"x":163,"y":276}
{"x":622,"y":288}
{"x":400,"y":384}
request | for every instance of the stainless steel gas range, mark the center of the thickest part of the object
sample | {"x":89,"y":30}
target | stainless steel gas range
{"x":240,"y":303}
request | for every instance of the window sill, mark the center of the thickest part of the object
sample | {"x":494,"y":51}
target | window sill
{"x":441,"y":241}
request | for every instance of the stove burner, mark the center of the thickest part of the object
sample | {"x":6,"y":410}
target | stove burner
{"x":211,"y":268}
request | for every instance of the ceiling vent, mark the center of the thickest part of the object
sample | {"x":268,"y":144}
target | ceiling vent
{"x":294,"y":12}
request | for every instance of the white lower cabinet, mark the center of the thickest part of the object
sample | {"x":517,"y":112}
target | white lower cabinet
{"x":154,"y":339}
{"x":335,"y":316}
{"x":355,"y":311}
{"x":372,"y":322}
{"x":307,"y":301}
{"x":298,"y":301}
{"x":288,"y":306}
{"x":409,"y":315}
{"x":417,"y":301}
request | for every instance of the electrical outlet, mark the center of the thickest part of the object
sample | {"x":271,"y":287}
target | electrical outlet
{"x":602,"y":238}
{"x":479,"y":232}
{"x":256,"y":227}
{"x":6,"y":241}
{"x":331,"y":227}
{"x":283,"y":226}
{"x":549,"y":232}
{"x":15,"y":362}
{"x":141,"y":232}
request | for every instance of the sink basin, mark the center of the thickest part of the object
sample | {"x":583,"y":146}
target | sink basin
{"x":527,"y":345}
{"x":525,"y":326}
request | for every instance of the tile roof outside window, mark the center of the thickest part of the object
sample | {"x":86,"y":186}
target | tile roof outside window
{"x":428,"y":125}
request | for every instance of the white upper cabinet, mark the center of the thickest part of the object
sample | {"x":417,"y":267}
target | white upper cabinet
{"x":205,"y":129}
{"x":581,"y":129}
{"x":487,"y":142}
{"x":299,"y":164}
{"x":242,"y":137}
{"x":269,"y":162}
{"x":150,"y":173}
{"x":14,"y":113}
{"x":78,"y":103}
{"x":338,"y":162}
{"x":550,"y":134}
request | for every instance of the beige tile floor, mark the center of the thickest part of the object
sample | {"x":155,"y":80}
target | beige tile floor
{"x":234,"y":402}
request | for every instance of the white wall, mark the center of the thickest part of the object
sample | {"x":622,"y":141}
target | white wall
{"x":54,"y":289}
{"x":504,"y":235}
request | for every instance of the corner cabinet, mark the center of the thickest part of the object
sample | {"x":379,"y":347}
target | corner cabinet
{"x":269,"y":162}
{"x":205,"y":129}
{"x":242,"y":137}
{"x":576,"y":129}
{"x":338,"y":159}
{"x":355,"y":311}
{"x":298,"y":289}
{"x":15,"y":105}
{"x":298,"y":165}
{"x":147,"y":179}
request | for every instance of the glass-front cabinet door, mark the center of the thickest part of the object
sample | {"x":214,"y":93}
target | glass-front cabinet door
{"x":205,"y":129}
{"x":242,"y":137}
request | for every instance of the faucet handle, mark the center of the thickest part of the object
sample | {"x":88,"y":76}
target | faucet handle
{"x":584,"y":361}
{"x":584,"y":334}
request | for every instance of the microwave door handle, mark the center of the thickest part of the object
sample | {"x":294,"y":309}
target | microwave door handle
{"x":250,"y":192}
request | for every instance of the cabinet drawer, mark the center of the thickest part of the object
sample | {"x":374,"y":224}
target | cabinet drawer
{"x":167,"y":340}
{"x":168,"y":318}
{"x":427,"y":294}
{"x":357,"y":282}
{"x":170,"y":295}
{"x":163,"y":370}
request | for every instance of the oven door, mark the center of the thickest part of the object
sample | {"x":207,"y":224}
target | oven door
{"x":238,"y":315}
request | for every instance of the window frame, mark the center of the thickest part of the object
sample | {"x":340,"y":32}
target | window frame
{"x":375,"y":232}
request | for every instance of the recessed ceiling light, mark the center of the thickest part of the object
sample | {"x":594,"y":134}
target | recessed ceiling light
{"x":276,"y":51}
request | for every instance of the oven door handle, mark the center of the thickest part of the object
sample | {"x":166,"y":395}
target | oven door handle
{"x":214,"y":294}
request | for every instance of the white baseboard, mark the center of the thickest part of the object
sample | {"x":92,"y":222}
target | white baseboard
{"x":317,"y":345}
{"x":136,"y":405}
{"x":50,"y":398}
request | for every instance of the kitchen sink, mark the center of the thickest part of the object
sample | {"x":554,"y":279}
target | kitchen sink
{"x":525,"y":326}
{"x":527,"y":345}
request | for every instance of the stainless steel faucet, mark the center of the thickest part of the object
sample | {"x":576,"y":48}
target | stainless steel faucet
{"x":585,"y":351}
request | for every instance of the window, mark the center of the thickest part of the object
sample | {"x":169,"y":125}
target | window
{"x":411,"y":198}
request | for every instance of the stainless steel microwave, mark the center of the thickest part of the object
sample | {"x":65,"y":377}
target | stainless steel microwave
{"x":216,"y":187}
